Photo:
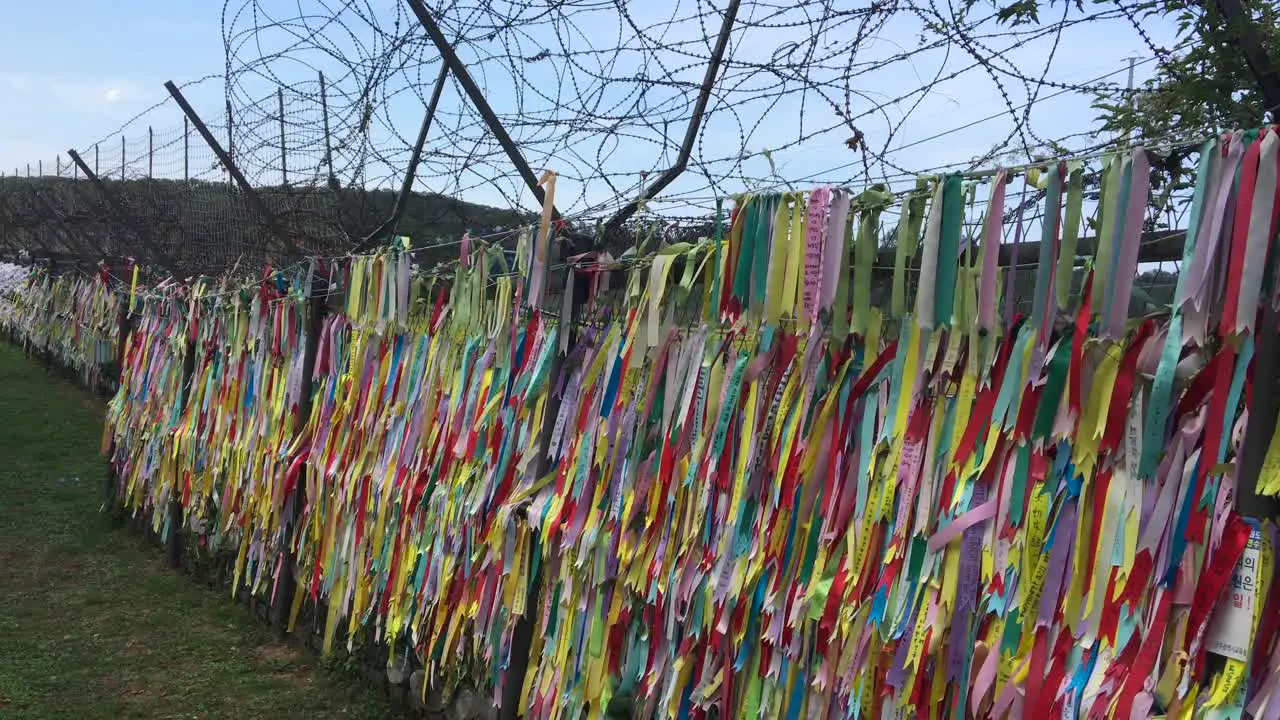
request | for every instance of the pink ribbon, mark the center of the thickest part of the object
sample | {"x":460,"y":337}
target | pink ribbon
{"x":948,"y":534}
{"x":991,"y":253}
{"x":1127,"y":261}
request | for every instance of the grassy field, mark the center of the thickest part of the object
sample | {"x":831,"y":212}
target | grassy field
{"x":92,"y":625}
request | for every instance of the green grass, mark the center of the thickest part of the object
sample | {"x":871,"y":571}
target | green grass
{"x":92,"y":625}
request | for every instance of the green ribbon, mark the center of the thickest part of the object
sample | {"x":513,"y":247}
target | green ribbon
{"x":1049,"y":233}
{"x":909,"y":223}
{"x":1106,"y":229}
{"x":870,"y":204}
{"x":1070,"y":236}
{"x":746,"y":251}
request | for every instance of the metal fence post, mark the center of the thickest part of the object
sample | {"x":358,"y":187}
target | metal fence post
{"x":388,"y":228}
{"x":151,"y":153}
{"x":284,"y":163}
{"x":231,"y":147}
{"x":317,"y":310}
{"x":450,"y":58}
{"x":186,"y":148}
{"x":522,"y":633}
{"x":328,"y":147}
{"x":122,"y":157}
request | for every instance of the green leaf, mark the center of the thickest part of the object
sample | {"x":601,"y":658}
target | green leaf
{"x":1021,"y":12}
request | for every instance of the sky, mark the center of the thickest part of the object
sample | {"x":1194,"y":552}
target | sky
{"x":74,"y":70}
{"x":71,"y":75}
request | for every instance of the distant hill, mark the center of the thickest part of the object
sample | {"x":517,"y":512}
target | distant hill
{"x":207,"y":227}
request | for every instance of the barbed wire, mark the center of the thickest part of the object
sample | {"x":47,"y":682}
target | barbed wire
{"x":322,"y":100}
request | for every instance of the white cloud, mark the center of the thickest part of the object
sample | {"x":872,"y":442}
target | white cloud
{"x":80,"y":93}
{"x":70,"y":92}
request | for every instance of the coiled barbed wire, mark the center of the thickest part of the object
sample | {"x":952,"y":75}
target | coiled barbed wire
{"x":601,"y":90}
{"x":322,"y":100}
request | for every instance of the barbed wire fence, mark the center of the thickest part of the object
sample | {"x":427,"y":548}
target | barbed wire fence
{"x":351,"y":120}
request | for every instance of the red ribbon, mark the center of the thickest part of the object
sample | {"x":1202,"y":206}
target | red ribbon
{"x":1212,"y":435}
{"x":1240,"y":234}
{"x":1146,"y":659}
{"x":1074,"y":392}
{"x":1213,"y":580}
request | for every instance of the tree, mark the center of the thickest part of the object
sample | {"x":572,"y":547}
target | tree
{"x":1203,"y":85}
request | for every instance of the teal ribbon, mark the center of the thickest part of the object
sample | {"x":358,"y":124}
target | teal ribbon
{"x":1162,"y":386}
{"x":746,"y":252}
{"x":1121,"y":216}
{"x":944,"y":297}
{"x":760,"y":247}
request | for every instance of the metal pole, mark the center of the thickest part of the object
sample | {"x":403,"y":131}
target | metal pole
{"x":122,"y":157}
{"x":389,"y":227}
{"x":1129,"y":98}
{"x":477,"y":98}
{"x":324,"y":112}
{"x":255,"y":202}
{"x":95,"y":159}
{"x":40,"y":168}
{"x":284,"y":164}
{"x":695,"y":123}
{"x":522,"y":633}
{"x":231,"y":143}
{"x":151,"y":152}
{"x":186,"y":148}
